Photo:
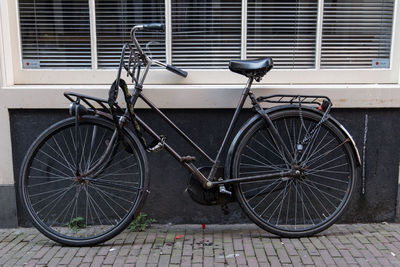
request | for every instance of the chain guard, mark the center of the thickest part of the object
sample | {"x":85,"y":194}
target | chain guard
{"x":207,"y":196}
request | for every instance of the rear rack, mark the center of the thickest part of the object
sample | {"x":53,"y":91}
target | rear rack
{"x":297,"y":99}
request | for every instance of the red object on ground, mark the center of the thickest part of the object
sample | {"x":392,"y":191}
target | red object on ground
{"x":203,"y":226}
{"x":178,"y":237}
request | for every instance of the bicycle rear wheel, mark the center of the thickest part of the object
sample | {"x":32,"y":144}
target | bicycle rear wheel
{"x":75,"y":210}
{"x":306,"y":204}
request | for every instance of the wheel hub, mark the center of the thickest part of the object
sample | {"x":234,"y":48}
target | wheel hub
{"x":81,"y":180}
{"x":298,"y":172}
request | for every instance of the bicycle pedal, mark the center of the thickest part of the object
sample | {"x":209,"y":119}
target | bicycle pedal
{"x":223,"y":190}
{"x":157,"y":146}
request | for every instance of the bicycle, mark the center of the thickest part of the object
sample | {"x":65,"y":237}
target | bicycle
{"x":292,"y":167}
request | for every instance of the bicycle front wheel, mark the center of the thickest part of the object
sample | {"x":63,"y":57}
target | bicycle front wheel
{"x":309,"y":202}
{"x":75,"y":210}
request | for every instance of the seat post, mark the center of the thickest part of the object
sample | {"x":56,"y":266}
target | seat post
{"x":246,"y":90}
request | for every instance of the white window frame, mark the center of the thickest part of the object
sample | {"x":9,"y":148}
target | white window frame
{"x":21,"y":76}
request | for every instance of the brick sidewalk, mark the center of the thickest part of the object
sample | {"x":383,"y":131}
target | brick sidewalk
{"x":218,"y":245}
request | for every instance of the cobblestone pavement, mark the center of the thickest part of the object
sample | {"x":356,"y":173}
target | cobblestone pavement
{"x":217,"y":245}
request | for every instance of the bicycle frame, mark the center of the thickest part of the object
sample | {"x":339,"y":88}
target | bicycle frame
{"x":209,"y":181}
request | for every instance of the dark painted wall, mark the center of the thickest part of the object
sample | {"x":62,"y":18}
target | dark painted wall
{"x":168,"y":201}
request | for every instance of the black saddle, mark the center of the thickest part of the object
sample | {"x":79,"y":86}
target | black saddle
{"x":255,"y":68}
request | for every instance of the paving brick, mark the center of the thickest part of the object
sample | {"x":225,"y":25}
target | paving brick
{"x":218,"y":245}
{"x":305,"y":257}
{"x":289,"y":247}
{"x":353,"y":251}
{"x":237,"y":244}
{"x":282,"y":255}
{"x":49,"y":255}
{"x":347,"y":256}
{"x":274,"y":261}
{"x":319,"y":261}
{"x":269,"y":248}
{"x":373,"y":249}
{"x":164,"y":260}
{"x":68,"y":256}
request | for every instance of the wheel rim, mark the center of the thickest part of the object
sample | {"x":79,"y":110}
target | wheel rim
{"x":73,"y":207}
{"x":313,"y":197}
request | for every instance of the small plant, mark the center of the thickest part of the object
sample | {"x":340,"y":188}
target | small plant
{"x":76,"y":224}
{"x":141,"y":222}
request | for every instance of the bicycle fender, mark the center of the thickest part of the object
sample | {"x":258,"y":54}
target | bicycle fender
{"x":250,"y":122}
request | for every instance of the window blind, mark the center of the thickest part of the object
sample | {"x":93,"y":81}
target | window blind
{"x":205,"y":34}
{"x":356,"y":33}
{"x":283,"y":30}
{"x":55,"y":33}
{"x":114,"y":20}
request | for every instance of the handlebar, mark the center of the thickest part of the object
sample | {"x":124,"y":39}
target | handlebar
{"x":177,"y":71}
{"x":154,"y":27}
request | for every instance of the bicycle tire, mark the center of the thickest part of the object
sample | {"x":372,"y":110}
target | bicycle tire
{"x":295,"y":206}
{"x":75,"y":211}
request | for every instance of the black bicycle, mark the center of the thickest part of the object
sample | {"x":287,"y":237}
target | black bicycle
{"x":292,"y":168}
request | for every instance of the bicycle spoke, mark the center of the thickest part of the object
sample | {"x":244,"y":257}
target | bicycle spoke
{"x":328,"y":162}
{"x":55,"y":181}
{"x":60,"y":155}
{"x":97,"y":149}
{"x":318,"y":148}
{"x":277,"y":149}
{"x":319,"y":201}
{"x":111,"y":208}
{"x":305,"y":207}
{"x":48,"y":197}
{"x":118,"y":172}
{"x":329,"y":169}
{"x":258,"y":188}
{"x":288,"y":134}
{"x":327,"y":178}
{"x":320,"y":190}
{"x":51,"y":167}
{"x":55,"y":204}
{"x":328,"y":152}
{"x":116,"y":196}
{"x":262,"y":145}
{"x":69,"y":151}
{"x":109,"y":196}
{"x":273,"y":167}
{"x":311,"y":203}
{"x":284,"y":193}
{"x":266,"y":195}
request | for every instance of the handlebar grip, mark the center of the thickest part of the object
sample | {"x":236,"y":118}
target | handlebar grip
{"x":176,"y":70}
{"x":154,"y":27}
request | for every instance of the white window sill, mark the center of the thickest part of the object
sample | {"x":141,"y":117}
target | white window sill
{"x":204,"y":96}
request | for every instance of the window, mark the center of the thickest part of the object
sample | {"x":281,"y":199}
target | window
{"x":314,"y":41}
{"x":285,"y":30}
{"x":357,"y":34}
{"x":205,"y":34}
{"x":114,"y":20}
{"x":55,"y":34}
